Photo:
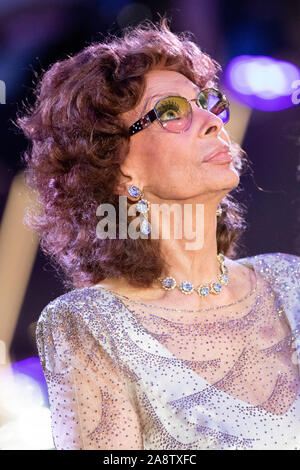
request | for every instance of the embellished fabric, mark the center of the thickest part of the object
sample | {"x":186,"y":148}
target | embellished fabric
{"x":125,"y":375}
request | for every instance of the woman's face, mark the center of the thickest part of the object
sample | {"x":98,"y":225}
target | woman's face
{"x":170,"y":166}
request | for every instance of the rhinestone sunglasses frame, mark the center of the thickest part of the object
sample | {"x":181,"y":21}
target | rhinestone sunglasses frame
{"x":201,"y":101}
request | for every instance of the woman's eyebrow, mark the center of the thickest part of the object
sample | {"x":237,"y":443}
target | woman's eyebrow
{"x":158,"y":95}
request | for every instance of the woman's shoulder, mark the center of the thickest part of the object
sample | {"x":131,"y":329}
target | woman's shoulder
{"x":78,"y":305}
{"x":274,"y":257}
{"x":289,"y":263}
{"x":75,"y":321}
{"x":281,"y":271}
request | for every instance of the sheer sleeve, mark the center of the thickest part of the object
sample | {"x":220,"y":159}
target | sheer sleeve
{"x":91,"y":406}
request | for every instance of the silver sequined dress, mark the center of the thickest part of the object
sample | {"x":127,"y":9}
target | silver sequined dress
{"x":124,"y":375}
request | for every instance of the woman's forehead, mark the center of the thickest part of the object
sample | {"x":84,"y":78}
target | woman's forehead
{"x":167,"y":83}
{"x":162,"y":80}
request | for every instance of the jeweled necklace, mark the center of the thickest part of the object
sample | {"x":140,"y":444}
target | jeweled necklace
{"x":186,"y":287}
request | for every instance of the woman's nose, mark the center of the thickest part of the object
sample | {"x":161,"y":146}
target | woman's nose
{"x":209,"y":124}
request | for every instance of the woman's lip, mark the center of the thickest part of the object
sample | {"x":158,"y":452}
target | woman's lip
{"x":221,"y":157}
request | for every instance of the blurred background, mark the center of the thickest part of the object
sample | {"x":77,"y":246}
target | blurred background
{"x":257,"y":42}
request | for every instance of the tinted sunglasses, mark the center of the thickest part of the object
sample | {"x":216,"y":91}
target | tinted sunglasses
{"x":175,"y":112}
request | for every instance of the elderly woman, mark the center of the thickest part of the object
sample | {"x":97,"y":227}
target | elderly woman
{"x":158,"y":342}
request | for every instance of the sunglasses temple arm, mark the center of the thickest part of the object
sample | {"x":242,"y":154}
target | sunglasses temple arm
{"x":143,"y":122}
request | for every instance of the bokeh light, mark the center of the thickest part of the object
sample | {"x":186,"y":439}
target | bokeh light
{"x":261,"y":82}
{"x":25,"y":420}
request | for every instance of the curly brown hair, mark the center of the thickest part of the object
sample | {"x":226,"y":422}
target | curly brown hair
{"x":79,"y":141}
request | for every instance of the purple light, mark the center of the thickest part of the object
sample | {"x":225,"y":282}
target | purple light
{"x":263,"y":83}
{"x":32,"y":367}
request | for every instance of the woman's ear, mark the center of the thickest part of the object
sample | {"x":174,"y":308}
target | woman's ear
{"x":126,"y":179}
{"x":121,"y":189}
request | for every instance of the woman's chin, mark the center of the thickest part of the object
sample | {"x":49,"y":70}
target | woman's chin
{"x":222,"y":171}
{"x":229,"y":179}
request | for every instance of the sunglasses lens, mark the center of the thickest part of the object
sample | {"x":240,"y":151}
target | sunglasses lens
{"x":215,"y":102}
{"x":174,"y":112}
{"x":224,"y":115}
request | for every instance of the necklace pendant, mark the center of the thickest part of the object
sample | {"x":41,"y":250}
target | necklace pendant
{"x":168,"y":283}
{"x":186,"y":287}
{"x":221,"y":258}
{"x":203,"y":290}
{"x":224,"y":269}
{"x":215,"y":287}
{"x":223,"y":278}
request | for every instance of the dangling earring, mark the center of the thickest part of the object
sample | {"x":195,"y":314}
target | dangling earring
{"x":219,"y":210}
{"x":143,"y":206}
